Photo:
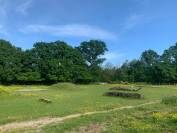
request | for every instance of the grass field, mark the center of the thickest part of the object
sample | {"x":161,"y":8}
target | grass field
{"x":21,"y":103}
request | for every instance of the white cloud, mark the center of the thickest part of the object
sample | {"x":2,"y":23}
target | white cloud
{"x":77,"y":30}
{"x":24,"y":6}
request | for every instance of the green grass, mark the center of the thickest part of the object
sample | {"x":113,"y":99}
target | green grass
{"x":170,"y":100}
{"x":149,"y":119}
{"x":70,"y":99}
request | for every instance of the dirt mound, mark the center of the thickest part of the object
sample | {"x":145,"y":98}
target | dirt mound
{"x":124,"y":94}
{"x":126,"y":88}
{"x":63,"y":86}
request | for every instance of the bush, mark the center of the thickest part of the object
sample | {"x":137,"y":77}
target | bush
{"x":172,"y":100}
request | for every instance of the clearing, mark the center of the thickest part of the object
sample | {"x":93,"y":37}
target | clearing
{"x":76,"y":108}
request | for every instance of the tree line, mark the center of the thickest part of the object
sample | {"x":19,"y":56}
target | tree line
{"x":150,"y":68}
{"x":51,"y":62}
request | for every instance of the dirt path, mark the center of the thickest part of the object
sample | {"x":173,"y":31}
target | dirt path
{"x":38,"y":123}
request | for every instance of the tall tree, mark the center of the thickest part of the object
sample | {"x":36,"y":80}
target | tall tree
{"x":57,"y":61}
{"x":109,"y":73}
{"x":92,"y":51}
{"x":10,"y":62}
{"x":170,"y":55}
{"x":29,"y":72}
{"x":169,"y":59}
{"x":149,"y":57}
{"x":136,"y":71}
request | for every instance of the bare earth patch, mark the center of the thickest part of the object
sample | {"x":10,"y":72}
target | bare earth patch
{"x":37,"y":124}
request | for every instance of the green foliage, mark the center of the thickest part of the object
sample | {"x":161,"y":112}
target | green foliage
{"x":91,"y":52}
{"x":109,"y":73}
{"x":150,"y":68}
{"x":149,"y":57}
{"x":48,"y":63}
{"x":10,"y":58}
{"x":29,"y":77}
{"x":59,"y":62}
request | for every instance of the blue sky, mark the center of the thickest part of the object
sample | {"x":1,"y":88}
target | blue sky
{"x":127,"y":26}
